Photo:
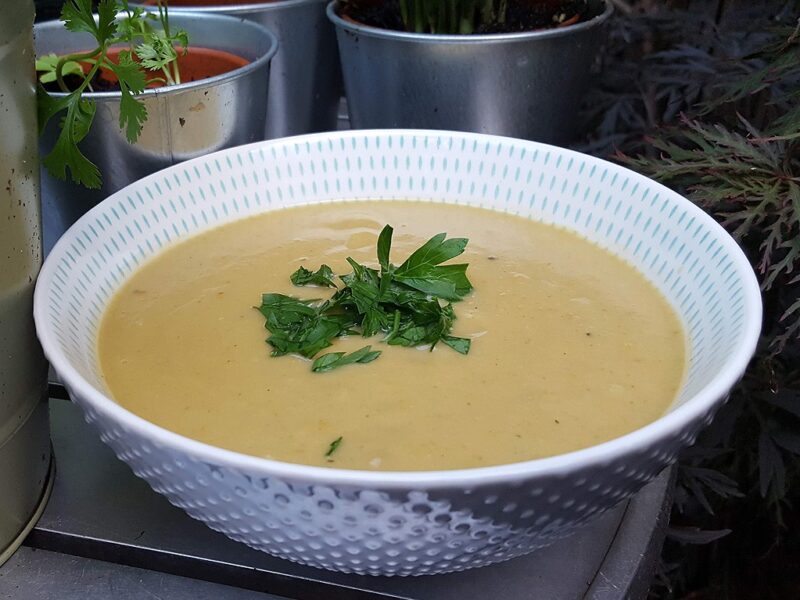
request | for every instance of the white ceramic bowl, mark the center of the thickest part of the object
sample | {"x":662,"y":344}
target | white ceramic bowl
{"x":403,"y":523}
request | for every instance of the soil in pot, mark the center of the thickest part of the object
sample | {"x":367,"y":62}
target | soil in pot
{"x":521,"y":15}
{"x":199,"y":63}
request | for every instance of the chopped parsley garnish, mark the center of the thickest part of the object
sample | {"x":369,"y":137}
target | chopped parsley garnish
{"x":333,"y":360}
{"x":334,"y":446}
{"x":322,"y":277}
{"x":411,"y":304}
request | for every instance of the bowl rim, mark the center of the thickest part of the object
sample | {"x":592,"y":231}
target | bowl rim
{"x":669,"y":425}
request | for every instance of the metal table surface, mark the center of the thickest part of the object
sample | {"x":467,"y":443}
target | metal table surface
{"x":106,"y":534}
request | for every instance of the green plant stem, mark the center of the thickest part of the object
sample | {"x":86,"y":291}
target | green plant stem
{"x":75,"y":58}
{"x":487,"y":11}
{"x":173,"y":75}
{"x":404,"y":13}
{"x":93,"y":70}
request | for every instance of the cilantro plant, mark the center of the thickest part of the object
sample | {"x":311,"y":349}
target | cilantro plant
{"x":410,"y":304}
{"x":148,"y":48}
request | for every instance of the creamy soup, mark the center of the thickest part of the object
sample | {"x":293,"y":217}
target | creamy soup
{"x":570,"y":345}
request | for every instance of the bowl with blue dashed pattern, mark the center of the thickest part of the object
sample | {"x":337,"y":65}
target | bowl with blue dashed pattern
{"x":403,"y":523}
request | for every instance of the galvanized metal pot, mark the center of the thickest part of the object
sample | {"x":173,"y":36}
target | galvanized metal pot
{"x":25,"y":462}
{"x":185,"y":121}
{"x":305,"y":83}
{"x":525,"y":85}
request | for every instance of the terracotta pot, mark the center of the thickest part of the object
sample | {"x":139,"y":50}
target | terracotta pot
{"x":197,"y":64}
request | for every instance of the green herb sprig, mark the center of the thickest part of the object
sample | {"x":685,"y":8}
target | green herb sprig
{"x":411,"y":304}
{"x":149,"y":49}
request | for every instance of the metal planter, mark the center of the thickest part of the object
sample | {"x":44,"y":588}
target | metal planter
{"x":525,"y":85}
{"x":306,"y":82}
{"x":185,"y":121}
{"x":25,"y":461}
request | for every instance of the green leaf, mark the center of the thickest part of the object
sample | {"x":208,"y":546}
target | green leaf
{"x":297,"y":327}
{"x":48,"y":106}
{"x":65,"y":155}
{"x":448,"y":282}
{"x":426,"y":324}
{"x":334,"y":446}
{"x":422,"y":271}
{"x":133,"y":25}
{"x":132,"y":112}
{"x":78,"y":16}
{"x":47,"y":65}
{"x":181,"y":39}
{"x":155,"y":53}
{"x":435,"y":251}
{"x":385,"y":246}
{"x":322,"y":277}
{"x":334,"y":360}
{"x":459,"y":344}
{"x":106,"y":20}
{"x":307,"y":340}
{"x":285,"y":306}
{"x":83,"y":118}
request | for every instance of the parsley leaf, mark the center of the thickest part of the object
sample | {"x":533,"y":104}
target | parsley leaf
{"x":334,"y":360}
{"x":404,"y":302}
{"x":334,"y":446}
{"x":459,"y":344}
{"x":298,"y":327}
{"x":322,"y":277}
{"x":384,"y":247}
{"x":422,"y":271}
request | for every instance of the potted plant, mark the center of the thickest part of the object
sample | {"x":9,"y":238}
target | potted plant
{"x":305,"y":82}
{"x":140,"y":98}
{"x":507,"y":67}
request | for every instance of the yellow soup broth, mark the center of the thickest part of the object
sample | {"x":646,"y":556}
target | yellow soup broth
{"x":571,"y":346}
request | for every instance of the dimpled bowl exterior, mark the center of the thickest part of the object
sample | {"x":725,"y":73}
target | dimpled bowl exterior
{"x":403,"y":523}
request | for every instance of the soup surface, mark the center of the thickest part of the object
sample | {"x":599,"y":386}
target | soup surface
{"x":570,"y":345}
